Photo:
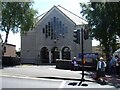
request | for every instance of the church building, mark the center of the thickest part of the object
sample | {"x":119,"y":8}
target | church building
{"x":53,"y":38}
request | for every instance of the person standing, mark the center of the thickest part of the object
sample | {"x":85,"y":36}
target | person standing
{"x":112,"y":65}
{"x":101,"y":69}
{"x":117,"y":65}
{"x":74,"y":64}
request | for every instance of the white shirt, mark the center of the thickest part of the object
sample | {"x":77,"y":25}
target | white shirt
{"x":99,"y":64}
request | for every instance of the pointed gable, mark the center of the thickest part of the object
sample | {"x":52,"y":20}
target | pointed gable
{"x":69,"y":15}
{"x":76,"y":19}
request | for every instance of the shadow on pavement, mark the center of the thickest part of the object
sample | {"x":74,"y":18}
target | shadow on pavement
{"x":112,"y":80}
{"x":63,"y":78}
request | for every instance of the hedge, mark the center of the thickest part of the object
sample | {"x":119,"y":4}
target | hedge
{"x":10,"y":61}
{"x":66,"y":64}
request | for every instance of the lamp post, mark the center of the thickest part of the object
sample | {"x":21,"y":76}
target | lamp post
{"x":1,"y":41}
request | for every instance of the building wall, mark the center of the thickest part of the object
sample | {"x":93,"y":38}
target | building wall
{"x":28,"y":47}
{"x":33,"y":42}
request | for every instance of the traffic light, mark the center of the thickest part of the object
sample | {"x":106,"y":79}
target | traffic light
{"x":86,"y":34}
{"x":77,"y":36}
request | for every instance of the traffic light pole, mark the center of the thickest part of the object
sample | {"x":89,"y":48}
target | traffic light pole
{"x":82,"y":44}
{"x":82,"y":79}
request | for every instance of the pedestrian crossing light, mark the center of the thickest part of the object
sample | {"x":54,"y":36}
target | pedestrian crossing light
{"x":77,"y":36}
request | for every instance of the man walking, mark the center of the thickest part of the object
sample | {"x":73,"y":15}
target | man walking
{"x":101,"y":69}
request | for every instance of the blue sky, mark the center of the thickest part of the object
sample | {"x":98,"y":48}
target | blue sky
{"x":43,"y":6}
{"x":72,"y":5}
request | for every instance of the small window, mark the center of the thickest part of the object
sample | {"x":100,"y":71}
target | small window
{"x":48,"y":24}
{"x":46,"y":35}
{"x":46,"y":27}
{"x":43,"y":30}
{"x":49,"y":33}
{"x":54,"y":19}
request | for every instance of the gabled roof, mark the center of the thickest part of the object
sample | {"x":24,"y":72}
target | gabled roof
{"x":73,"y":17}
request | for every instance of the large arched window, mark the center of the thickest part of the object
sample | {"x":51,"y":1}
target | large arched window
{"x":66,"y":53}
{"x":55,"y":54}
{"x":44,"y":55}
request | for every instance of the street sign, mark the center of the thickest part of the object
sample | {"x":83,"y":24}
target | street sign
{"x":88,"y":55}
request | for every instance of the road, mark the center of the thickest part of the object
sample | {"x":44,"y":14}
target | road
{"x":12,"y":82}
{"x":44,"y":77}
{"x":27,"y":82}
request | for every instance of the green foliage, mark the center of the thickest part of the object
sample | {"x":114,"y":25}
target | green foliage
{"x":17,"y":16}
{"x":104,"y":20}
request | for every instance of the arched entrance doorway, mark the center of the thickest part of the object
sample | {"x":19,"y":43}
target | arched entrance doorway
{"x":44,"y":55}
{"x":55,"y":54}
{"x":66,"y":53}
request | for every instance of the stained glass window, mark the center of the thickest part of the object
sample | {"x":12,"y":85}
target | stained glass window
{"x":55,"y":29}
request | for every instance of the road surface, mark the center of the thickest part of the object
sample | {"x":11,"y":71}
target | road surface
{"x":27,"y":77}
{"x":12,"y":82}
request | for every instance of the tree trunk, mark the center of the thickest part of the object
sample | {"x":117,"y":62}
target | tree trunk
{"x":5,"y":42}
{"x":6,"y":38}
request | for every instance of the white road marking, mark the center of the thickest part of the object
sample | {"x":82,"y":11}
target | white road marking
{"x":62,"y":85}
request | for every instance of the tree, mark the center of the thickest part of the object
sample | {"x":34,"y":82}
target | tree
{"x":104,"y":20}
{"x":17,"y":17}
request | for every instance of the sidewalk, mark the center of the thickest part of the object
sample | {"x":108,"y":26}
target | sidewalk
{"x":112,"y":80}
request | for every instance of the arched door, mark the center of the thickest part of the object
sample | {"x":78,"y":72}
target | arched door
{"x":66,"y":53}
{"x":55,"y":54}
{"x":44,"y":55}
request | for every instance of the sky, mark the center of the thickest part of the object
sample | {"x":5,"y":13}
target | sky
{"x":43,"y":6}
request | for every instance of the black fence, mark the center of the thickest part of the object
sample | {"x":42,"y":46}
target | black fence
{"x":10,"y":61}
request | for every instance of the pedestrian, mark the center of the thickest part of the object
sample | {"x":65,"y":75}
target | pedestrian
{"x":112,"y":65}
{"x":118,"y":65}
{"x":101,"y":69}
{"x":74,"y":64}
